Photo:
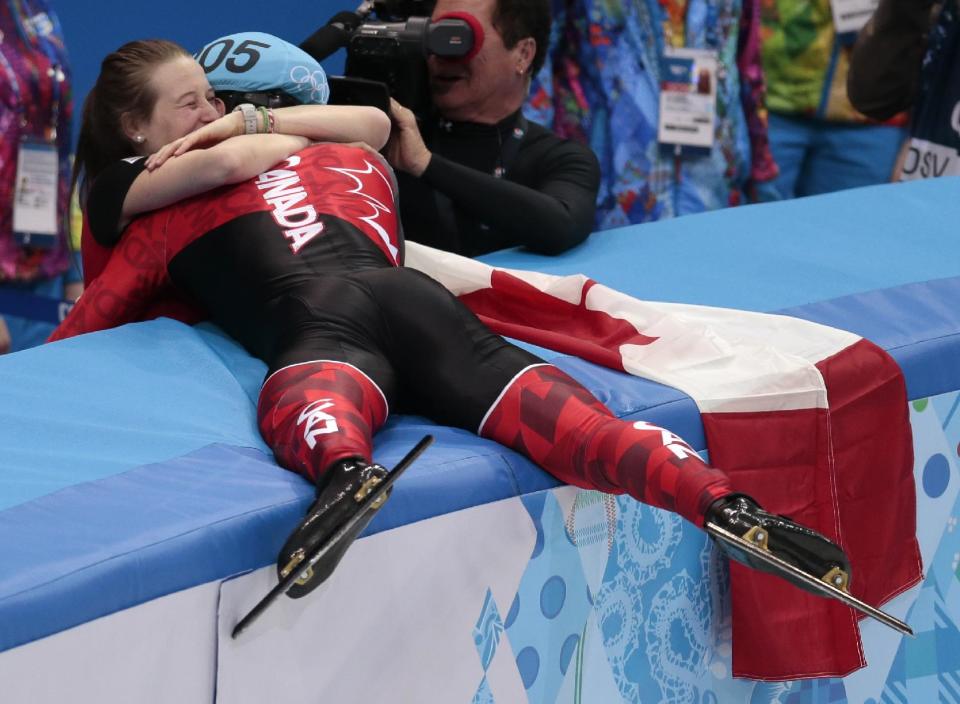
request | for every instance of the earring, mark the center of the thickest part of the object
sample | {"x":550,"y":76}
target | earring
{"x":519,"y":69}
{"x":139,"y":139}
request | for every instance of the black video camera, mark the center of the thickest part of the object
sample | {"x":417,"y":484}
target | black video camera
{"x":387,"y":43}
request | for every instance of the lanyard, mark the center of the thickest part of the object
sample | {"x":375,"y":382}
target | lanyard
{"x":44,"y":40}
{"x":14,"y":83}
{"x":446,"y":212}
{"x":678,"y":20}
{"x":510,"y":148}
{"x":673,"y":22}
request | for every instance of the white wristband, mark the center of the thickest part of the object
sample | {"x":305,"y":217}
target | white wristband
{"x":249,"y":113}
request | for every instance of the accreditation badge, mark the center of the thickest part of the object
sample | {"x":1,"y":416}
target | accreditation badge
{"x":35,"y":195}
{"x":688,"y":98}
{"x":926,"y":159}
{"x":851,"y":15}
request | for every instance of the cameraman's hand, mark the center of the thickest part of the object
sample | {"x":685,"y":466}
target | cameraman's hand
{"x":405,"y":150}
{"x":365,"y":147}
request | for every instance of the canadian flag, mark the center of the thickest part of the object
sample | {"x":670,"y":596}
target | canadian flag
{"x":809,"y":420}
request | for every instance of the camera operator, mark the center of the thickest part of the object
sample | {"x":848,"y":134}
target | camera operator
{"x":475,"y":176}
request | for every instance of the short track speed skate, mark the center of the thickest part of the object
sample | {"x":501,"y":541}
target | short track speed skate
{"x":748,"y":534}
{"x":346,"y":502}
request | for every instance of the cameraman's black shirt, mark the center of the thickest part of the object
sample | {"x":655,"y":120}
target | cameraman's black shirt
{"x":545,"y":200}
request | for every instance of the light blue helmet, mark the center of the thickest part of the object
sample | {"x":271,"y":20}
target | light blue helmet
{"x":254,"y":62}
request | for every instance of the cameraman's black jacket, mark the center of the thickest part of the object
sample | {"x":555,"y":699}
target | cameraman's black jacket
{"x":545,"y":199}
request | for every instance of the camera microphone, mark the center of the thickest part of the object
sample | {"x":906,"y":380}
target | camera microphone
{"x":334,"y":35}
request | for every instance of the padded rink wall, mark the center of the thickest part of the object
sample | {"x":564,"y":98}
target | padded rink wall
{"x":143,"y":517}
{"x":594,"y":599}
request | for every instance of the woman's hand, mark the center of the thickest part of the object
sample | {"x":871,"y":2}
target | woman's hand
{"x":405,"y":149}
{"x":230,"y":125}
{"x":72,"y":291}
{"x":4,"y":337}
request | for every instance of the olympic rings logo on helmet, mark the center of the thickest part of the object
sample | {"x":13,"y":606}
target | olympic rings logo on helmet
{"x":315,"y":80}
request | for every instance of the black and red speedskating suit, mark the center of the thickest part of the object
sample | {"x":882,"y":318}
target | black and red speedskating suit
{"x":303,"y":266}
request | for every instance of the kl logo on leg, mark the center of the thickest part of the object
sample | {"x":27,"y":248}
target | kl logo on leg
{"x":317,"y":421}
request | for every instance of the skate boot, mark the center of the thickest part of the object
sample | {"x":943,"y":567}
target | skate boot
{"x":801,"y":547}
{"x":341,"y":491}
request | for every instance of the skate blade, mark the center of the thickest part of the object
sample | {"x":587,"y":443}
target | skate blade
{"x":303,"y":570}
{"x":824,"y":587}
